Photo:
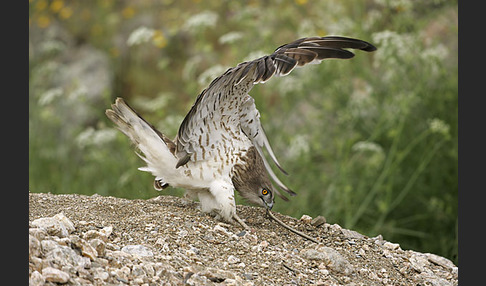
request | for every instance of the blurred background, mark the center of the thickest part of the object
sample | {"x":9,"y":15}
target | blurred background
{"x":370,"y":143}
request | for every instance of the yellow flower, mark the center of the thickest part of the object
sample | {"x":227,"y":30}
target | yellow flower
{"x":66,"y":12}
{"x":41,"y":5}
{"x":43,"y":21}
{"x":158,"y":39}
{"x":56,"y":5}
{"x":128,"y":12}
{"x":301,"y":2}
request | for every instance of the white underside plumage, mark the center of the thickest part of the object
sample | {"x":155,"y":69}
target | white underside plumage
{"x":208,"y":180}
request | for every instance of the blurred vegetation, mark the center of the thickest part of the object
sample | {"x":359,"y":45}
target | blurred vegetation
{"x":370,"y":143}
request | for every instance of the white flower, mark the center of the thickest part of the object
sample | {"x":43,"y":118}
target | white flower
{"x":361,"y":146}
{"x":201,"y":20}
{"x":437,"y":125}
{"x":230,"y":37}
{"x":50,"y":95}
{"x":52,"y":47}
{"x":90,"y":137}
{"x":140,"y":35}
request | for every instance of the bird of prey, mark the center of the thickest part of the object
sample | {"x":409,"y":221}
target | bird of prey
{"x":219,"y":146}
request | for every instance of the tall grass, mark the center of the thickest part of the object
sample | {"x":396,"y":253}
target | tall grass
{"x":370,"y":143}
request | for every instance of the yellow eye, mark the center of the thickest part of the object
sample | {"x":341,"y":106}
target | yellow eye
{"x":264,"y":192}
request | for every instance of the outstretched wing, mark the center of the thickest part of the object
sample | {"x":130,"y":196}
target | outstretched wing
{"x":226,"y":99}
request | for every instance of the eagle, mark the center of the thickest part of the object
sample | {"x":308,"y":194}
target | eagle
{"x":219,"y":145}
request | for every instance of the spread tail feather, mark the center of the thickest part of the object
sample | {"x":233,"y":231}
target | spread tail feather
{"x":156,"y":149}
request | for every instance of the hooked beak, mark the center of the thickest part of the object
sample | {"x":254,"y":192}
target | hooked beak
{"x":268,"y":206}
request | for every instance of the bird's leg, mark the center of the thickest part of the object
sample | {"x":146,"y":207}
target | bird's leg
{"x":240,"y":221}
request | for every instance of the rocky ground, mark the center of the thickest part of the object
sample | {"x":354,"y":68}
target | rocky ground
{"x":95,"y":240}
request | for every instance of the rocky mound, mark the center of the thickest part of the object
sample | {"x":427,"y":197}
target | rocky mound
{"x":95,"y":240}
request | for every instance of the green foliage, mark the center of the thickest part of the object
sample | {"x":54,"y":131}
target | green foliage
{"x":370,"y":143}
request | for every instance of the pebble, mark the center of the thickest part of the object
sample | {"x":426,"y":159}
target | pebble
{"x":34,"y":246}
{"x":55,"y":275}
{"x":318,"y":221}
{"x":233,"y":259}
{"x":391,"y":246}
{"x":36,"y":279}
{"x":419,"y":262}
{"x":351,"y":234}
{"x":331,"y":258}
{"x":439,"y":260}
{"x":86,"y":249}
{"x":99,"y":245}
{"x":306,"y":219}
{"x":58,"y":225}
{"x":92,"y":234}
{"x":139,"y":250}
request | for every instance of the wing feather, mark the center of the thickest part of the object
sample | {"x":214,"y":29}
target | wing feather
{"x":226,"y":97}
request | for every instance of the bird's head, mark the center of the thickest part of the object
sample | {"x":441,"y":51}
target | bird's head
{"x":251,"y":180}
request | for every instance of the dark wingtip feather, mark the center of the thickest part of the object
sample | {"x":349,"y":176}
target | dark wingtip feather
{"x":369,"y":48}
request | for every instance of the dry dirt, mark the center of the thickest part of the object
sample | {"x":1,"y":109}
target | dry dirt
{"x":196,"y":247}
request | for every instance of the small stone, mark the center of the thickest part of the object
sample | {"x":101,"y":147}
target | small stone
{"x":137,"y":270}
{"x":63,"y":220}
{"x":336,"y":227}
{"x":149,"y":269}
{"x":100,"y":274}
{"x":55,"y":275}
{"x":378,"y":240}
{"x":221,"y":229}
{"x":240,"y":234}
{"x":34,"y":246}
{"x":373,"y":276}
{"x":419,"y":262}
{"x":363,"y":271}
{"x":391,"y":246}
{"x":38,"y":233}
{"x":61,"y":255}
{"x":139,"y":250}
{"x":86,"y":249}
{"x":94,"y":234}
{"x":215,"y":274}
{"x":330,"y":257}
{"x":261,"y":246}
{"x":111,"y":246}
{"x":431,"y":279}
{"x":306,"y":219}
{"x":36,"y":279}
{"x":439,"y":260}
{"x":107,"y":230}
{"x":351,"y":234}
{"x":47,"y":245}
{"x":58,"y":225}
{"x":121,"y":274}
{"x":98,"y":245}
{"x":233,"y":259}
{"x":318,"y":221}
